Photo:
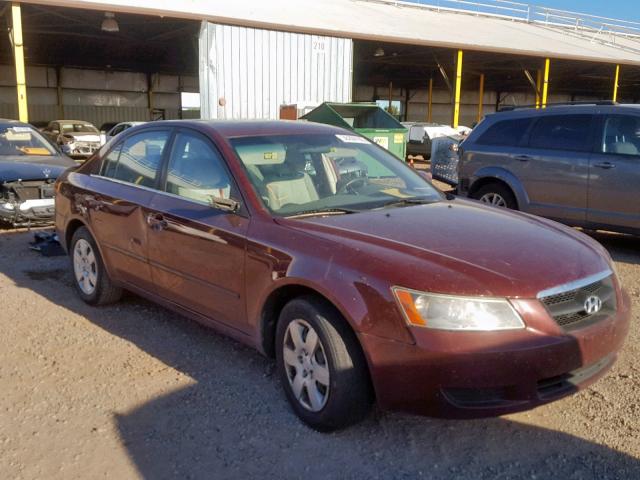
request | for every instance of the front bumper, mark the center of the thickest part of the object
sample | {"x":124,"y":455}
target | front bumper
{"x":79,"y":150}
{"x":28,"y":213}
{"x":481,"y":374}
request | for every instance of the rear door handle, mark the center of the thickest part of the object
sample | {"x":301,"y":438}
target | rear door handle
{"x":605,"y":165}
{"x":157,"y":221}
{"x":523,"y":158}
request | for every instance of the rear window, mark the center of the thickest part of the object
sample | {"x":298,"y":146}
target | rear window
{"x":506,"y":133}
{"x":562,"y":132}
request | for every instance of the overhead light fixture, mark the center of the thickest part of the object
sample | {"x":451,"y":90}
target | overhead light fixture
{"x":109,"y":23}
{"x":379,"y":52}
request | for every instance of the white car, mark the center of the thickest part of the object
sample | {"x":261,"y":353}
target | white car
{"x":119,"y":128}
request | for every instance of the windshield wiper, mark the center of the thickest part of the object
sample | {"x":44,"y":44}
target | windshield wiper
{"x":407,"y":202}
{"x":322,"y":211}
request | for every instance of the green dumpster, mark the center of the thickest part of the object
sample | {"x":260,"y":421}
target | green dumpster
{"x":367,"y":119}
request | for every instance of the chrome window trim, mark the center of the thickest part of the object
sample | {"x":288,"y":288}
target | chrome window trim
{"x":575,"y":284}
{"x":159,"y":192}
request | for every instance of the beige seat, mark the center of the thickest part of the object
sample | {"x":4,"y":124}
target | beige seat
{"x":297,"y":189}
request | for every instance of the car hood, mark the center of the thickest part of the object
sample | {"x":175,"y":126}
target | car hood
{"x":461,"y":247}
{"x":32,"y":167}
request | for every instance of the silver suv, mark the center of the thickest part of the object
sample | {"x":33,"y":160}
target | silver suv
{"x":577,"y":164}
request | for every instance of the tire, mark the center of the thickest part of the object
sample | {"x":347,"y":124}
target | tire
{"x":337,"y":359}
{"x":496,"y":194}
{"x":91,"y":279}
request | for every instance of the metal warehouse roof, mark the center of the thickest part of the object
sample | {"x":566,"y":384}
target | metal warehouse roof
{"x":392,"y":22}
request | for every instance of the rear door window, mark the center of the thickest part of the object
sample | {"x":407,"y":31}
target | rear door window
{"x":138,"y":158}
{"x":621,"y":135}
{"x":506,"y":133}
{"x":562,"y":132}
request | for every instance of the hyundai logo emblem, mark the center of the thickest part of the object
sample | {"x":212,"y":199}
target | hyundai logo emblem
{"x":592,"y":305}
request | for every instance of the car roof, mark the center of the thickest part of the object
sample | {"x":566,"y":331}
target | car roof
{"x":251,"y":128}
{"x":8,"y":121}
{"x":564,"y":109}
{"x":68,"y":120}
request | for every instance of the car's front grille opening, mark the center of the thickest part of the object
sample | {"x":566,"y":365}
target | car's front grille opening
{"x":574,"y":308}
{"x":476,"y":397}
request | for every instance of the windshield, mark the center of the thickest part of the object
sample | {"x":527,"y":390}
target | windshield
{"x":296,"y":174}
{"x":23,"y":140}
{"x":78,"y":127}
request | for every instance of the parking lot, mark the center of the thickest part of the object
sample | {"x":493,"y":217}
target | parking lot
{"x":134,"y":391}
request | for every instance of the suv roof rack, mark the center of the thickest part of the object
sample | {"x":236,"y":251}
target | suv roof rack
{"x":510,"y":108}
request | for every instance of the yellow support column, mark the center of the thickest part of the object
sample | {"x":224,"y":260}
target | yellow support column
{"x":18,"y":51}
{"x":456,"y":101}
{"x":481,"y":98}
{"x":615,"y":84}
{"x":430,"y":102}
{"x":545,"y":84}
{"x":538,"y":88}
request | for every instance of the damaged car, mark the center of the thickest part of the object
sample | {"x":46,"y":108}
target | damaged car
{"x":29,"y":167}
{"x":77,"y":139}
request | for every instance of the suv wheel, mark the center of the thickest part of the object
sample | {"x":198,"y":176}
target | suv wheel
{"x":90,"y":277}
{"x":497,"y":195}
{"x":321,"y":367}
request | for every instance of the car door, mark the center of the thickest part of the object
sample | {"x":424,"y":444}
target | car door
{"x":614,"y":174}
{"x":554,"y":166}
{"x":197,"y":251}
{"x":119,"y":200}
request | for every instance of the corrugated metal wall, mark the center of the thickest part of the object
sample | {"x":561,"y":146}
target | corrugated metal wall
{"x":250,"y":73}
{"x":93,"y":95}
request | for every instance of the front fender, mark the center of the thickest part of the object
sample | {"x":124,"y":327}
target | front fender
{"x":507,"y":177}
{"x":366,"y":304}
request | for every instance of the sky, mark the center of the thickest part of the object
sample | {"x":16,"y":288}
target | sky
{"x":621,"y":9}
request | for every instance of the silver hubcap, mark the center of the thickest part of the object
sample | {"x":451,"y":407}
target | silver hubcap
{"x":85,"y":266}
{"x":493,"y":199}
{"x":306,"y":365}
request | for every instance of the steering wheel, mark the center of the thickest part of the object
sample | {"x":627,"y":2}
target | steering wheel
{"x":349,"y":187}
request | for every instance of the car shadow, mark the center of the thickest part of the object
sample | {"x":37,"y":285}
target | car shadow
{"x":234,"y":422}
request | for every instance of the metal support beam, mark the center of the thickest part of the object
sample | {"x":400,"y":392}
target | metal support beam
{"x":616,"y":84}
{"x":390,"y":96}
{"x":481,"y":98}
{"x":150,"y":94}
{"x":456,"y":99}
{"x":430,"y":101}
{"x":18,"y":55}
{"x":59,"y":93}
{"x":538,"y":88}
{"x":545,"y":83}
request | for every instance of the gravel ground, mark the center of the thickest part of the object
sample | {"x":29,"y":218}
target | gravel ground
{"x":135,"y":391}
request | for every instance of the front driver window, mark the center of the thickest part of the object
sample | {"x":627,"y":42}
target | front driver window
{"x":196,"y":170}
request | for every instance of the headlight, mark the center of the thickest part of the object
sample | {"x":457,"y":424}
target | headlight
{"x":447,"y":312}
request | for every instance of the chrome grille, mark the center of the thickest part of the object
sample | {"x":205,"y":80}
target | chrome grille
{"x":568,"y":308}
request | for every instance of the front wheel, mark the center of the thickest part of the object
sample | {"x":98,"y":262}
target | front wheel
{"x":497,"y":195}
{"x":321,"y":366}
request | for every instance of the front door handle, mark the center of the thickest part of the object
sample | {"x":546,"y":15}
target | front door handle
{"x":157,"y":221}
{"x":605,"y":165}
{"x":523,"y":158}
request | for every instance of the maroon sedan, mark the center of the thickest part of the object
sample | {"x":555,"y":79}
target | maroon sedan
{"x":365,"y":282}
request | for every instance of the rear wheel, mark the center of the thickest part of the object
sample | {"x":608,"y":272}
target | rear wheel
{"x":321,"y":366}
{"x":91,"y":279}
{"x":496,"y":194}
